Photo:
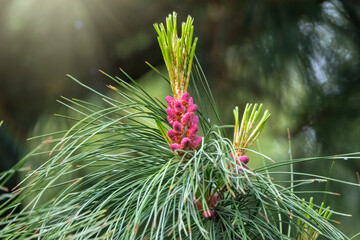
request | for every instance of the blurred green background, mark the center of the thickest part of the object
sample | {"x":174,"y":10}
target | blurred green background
{"x":300,"y":58}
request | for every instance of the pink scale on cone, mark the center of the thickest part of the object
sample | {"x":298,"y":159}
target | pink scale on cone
{"x":185,"y":99}
{"x":192,"y":108}
{"x":192,"y":132}
{"x":171,"y":114}
{"x":195,"y":142}
{"x":187,"y":119}
{"x":191,"y":100}
{"x":175,"y":146}
{"x":170,"y":120}
{"x":178,"y":107}
{"x":178,"y":127}
{"x":170,"y":101}
{"x":175,"y":137}
{"x":185,"y":143}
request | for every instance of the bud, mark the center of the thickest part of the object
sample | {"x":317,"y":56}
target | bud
{"x":169,"y":119}
{"x":241,"y":169}
{"x":195,"y":142}
{"x":178,"y":107}
{"x":209,"y":214}
{"x":214,"y":200}
{"x":195,"y":120}
{"x":185,"y":99}
{"x":192,"y":132}
{"x":178,"y":127}
{"x":187,"y":119}
{"x":170,"y":101}
{"x":175,"y":146}
{"x":185,"y":143}
{"x":173,"y":135}
{"x":191,"y":100}
{"x":171,"y":114}
{"x":244,"y":159}
{"x":192,"y":108}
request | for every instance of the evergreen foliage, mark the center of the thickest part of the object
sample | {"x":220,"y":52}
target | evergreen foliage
{"x":133,"y":186}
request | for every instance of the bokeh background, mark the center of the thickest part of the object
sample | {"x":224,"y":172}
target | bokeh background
{"x":300,"y":58}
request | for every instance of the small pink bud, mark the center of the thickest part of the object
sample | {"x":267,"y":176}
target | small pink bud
{"x":191,"y":100}
{"x":170,"y":120}
{"x":175,"y":146}
{"x":178,"y":107}
{"x":194,"y":120}
{"x":170,"y":101}
{"x":241,"y":169}
{"x":214,"y":200}
{"x":191,"y":108}
{"x":192,"y":132}
{"x":185,"y":143}
{"x":199,"y":205}
{"x":187,"y":119}
{"x":185,"y":99}
{"x":244,"y":159}
{"x":195,"y":142}
{"x":173,"y":135}
{"x":171,"y":114}
{"x":177,"y":127}
{"x":209,"y":214}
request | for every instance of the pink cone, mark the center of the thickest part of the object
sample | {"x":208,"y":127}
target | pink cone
{"x":244,"y":159}
{"x":181,"y":116}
